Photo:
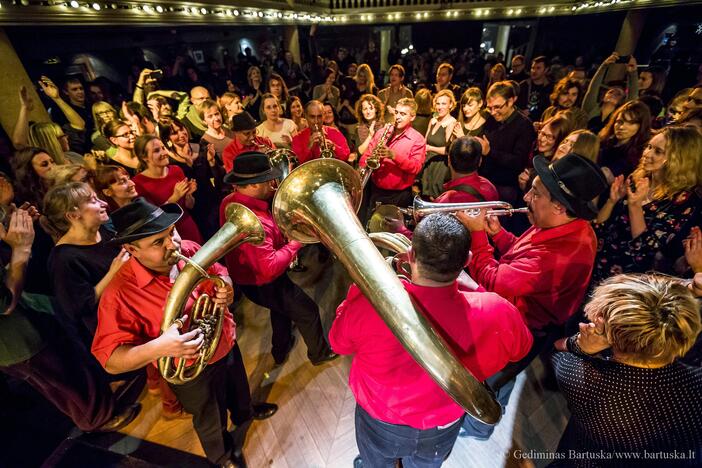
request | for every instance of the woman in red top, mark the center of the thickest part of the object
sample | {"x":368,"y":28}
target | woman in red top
{"x":161,"y":183}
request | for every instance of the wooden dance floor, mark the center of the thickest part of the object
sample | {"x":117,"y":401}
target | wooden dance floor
{"x":314,"y":426}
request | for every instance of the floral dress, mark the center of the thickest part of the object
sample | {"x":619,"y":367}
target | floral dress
{"x":668,"y":223}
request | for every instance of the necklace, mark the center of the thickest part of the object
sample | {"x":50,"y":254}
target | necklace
{"x":470,"y":126}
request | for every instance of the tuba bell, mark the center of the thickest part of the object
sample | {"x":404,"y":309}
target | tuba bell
{"x":318,"y":202}
{"x":242,"y":226}
{"x":283,"y":159}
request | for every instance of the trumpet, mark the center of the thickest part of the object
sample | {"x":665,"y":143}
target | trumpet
{"x":325,"y":152}
{"x":420,"y":208}
{"x":373,"y":161}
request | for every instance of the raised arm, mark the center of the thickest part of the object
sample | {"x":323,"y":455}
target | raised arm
{"x":20,"y":134}
{"x":52,"y":91}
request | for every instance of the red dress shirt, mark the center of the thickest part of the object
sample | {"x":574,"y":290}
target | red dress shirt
{"x":301,"y":141}
{"x":545,"y":272}
{"x":158,"y":191}
{"x":484,"y":331}
{"x":235,"y":148}
{"x":410,"y":150}
{"x":258,"y":264}
{"x":480,"y":184}
{"x":131,"y":308}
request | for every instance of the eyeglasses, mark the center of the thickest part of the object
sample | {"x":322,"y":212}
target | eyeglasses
{"x":127,"y":134}
{"x":547,"y":136}
{"x":496,"y":108}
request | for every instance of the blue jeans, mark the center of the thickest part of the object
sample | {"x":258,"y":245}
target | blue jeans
{"x":381,"y":444}
{"x":502,"y":383}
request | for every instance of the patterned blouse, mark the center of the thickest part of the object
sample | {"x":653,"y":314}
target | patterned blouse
{"x":668,"y":223}
{"x":619,"y":410}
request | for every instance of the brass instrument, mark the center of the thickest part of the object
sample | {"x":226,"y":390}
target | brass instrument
{"x":242,"y":226}
{"x":325,"y":152}
{"x":373,"y":161}
{"x":282,"y":158}
{"x":318,"y":202}
{"x":421,"y":208}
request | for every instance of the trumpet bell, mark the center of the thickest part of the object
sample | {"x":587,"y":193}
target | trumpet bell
{"x":283,"y":159}
{"x":318,"y":201}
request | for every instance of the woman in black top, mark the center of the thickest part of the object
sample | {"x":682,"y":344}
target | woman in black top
{"x":81,"y":263}
{"x":625,"y":388}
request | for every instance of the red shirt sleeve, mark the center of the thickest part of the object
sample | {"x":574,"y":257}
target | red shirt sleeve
{"x":504,"y":240}
{"x":228,"y":155}
{"x":299,"y":146}
{"x":117,"y":326}
{"x":521,"y":277}
{"x":341,"y":335}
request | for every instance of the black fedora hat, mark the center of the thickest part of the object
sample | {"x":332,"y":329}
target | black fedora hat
{"x":251,"y":167}
{"x":243,"y":122}
{"x":574,"y":181}
{"x":141,"y":219}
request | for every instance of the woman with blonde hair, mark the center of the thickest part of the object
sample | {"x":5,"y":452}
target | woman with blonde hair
{"x":66,"y":173}
{"x":435,"y":172}
{"x":498,"y":72}
{"x":53,"y":139}
{"x":254,"y":90}
{"x":365,"y":81}
{"x":661,"y":206}
{"x":626,"y":389}
{"x":582,"y":142}
{"x":230,"y":104}
{"x":103,"y":112}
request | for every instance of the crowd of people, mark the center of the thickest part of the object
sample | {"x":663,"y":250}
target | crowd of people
{"x":609,"y":256}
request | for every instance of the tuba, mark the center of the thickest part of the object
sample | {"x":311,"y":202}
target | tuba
{"x":281,"y":158}
{"x":318,"y":202}
{"x":242,"y":226}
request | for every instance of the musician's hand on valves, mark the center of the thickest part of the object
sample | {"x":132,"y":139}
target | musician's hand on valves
{"x":384,"y":152}
{"x":393,"y":224}
{"x":472,"y":221}
{"x":224,"y":295}
{"x":174,"y":344}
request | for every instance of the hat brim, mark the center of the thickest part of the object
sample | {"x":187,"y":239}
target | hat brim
{"x":584,"y":210}
{"x":234,"y":179}
{"x":172,"y":212}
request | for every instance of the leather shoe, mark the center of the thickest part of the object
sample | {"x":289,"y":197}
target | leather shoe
{"x":264,"y":410}
{"x":328,"y":356}
{"x":120,"y":420}
{"x":236,"y":461}
{"x":358,"y":462}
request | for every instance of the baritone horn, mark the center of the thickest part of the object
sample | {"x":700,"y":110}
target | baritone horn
{"x":318,"y":202}
{"x":242,"y":226}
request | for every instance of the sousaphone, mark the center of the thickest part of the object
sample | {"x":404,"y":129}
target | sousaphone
{"x":317,"y":202}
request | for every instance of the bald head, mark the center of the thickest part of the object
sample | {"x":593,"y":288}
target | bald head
{"x":199,"y":94}
{"x":313,"y":112}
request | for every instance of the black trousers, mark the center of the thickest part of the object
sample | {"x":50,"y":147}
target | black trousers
{"x":288,"y":303}
{"x":220,"y":387}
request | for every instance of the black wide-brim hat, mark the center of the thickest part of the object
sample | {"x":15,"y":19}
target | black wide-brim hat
{"x":243,"y":122}
{"x":252,"y":167}
{"x":574,"y":181}
{"x":141,"y":219}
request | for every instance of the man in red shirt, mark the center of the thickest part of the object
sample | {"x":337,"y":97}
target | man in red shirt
{"x":546,"y":271}
{"x":245,"y":139}
{"x":129,"y":337}
{"x":401,"y":412}
{"x":307,"y":143}
{"x":261,"y":270}
{"x":466,"y":186}
{"x":401,"y":159}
